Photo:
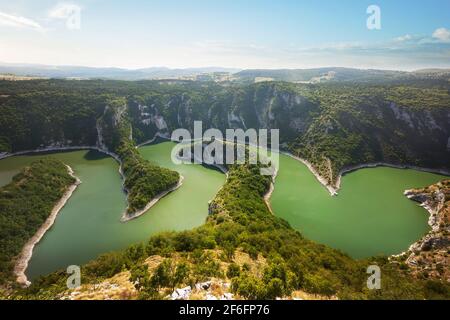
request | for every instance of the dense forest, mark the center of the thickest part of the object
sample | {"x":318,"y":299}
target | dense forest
{"x":25,"y":204}
{"x":42,"y":119}
{"x":332,"y":125}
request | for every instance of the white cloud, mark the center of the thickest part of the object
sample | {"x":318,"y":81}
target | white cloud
{"x":442,"y":34}
{"x":19,"y":22}
{"x":406,"y":37}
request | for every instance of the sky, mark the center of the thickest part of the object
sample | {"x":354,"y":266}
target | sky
{"x":405,"y":35}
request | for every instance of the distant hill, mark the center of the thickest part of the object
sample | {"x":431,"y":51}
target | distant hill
{"x":316,"y":75}
{"x":334,"y":74}
{"x":46,"y":71}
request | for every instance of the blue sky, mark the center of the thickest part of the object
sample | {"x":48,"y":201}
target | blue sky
{"x":231,"y":33}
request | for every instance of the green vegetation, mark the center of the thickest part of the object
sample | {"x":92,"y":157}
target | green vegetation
{"x":240,"y":220}
{"x":168,"y":274}
{"x":358,"y":123}
{"x":34,"y":120}
{"x":25,"y":204}
{"x":332,"y":125}
{"x":143,"y":180}
{"x":402,"y":120}
{"x":67,"y":116}
{"x":5,"y":145}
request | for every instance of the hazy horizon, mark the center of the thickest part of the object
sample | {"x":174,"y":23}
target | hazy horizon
{"x":289,"y":34}
{"x":25,"y":64}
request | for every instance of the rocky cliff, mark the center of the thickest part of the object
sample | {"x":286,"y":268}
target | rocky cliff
{"x":429,"y":257}
{"x":333,"y":127}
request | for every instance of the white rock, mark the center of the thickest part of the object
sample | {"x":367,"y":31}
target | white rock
{"x":227,"y":296}
{"x":181,"y":294}
{"x":203,"y":285}
{"x":209,"y":296}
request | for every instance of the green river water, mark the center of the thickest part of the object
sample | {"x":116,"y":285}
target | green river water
{"x":90,"y":224}
{"x":370,"y":215}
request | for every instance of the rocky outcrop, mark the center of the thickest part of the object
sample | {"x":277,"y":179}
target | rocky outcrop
{"x":333,"y":128}
{"x":149,"y":115}
{"x":429,"y":256}
{"x":401,"y":114}
{"x":214,"y":289}
{"x":115,"y":133}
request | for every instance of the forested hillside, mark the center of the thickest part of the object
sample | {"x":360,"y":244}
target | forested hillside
{"x":67,"y":116}
{"x":281,"y":260}
{"x":25,"y":204}
{"x":35,"y":120}
{"x":333,"y":74}
{"x":143,"y":180}
{"x":333,"y":126}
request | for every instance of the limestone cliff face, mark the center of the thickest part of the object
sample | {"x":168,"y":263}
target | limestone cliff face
{"x":329,"y":129}
{"x":429,"y":256}
{"x":255,"y":107}
{"x":334,"y":127}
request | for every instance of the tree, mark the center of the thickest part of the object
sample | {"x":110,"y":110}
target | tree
{"x":233,"y":270}
{"x":161,"y":275}
{"x":274,"y":289}
{"x":139,"y":276}
{"x":181,"y":273}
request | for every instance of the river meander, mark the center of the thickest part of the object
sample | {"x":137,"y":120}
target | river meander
{"x":90,"y":224}
{"x":370,"y":216}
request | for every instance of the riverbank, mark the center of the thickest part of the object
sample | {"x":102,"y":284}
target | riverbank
{"x":157,"y":135}
{"x":27,"y":251}
{"x":127,"y":217}
{"x":63,"y":148}
{"x":49,"y":149}
{"x":429,"y":255}
{"x":432,"y":219}
{"x":385,"y":164}
{"x":268,"y":194}
{"x":333,"y":189}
